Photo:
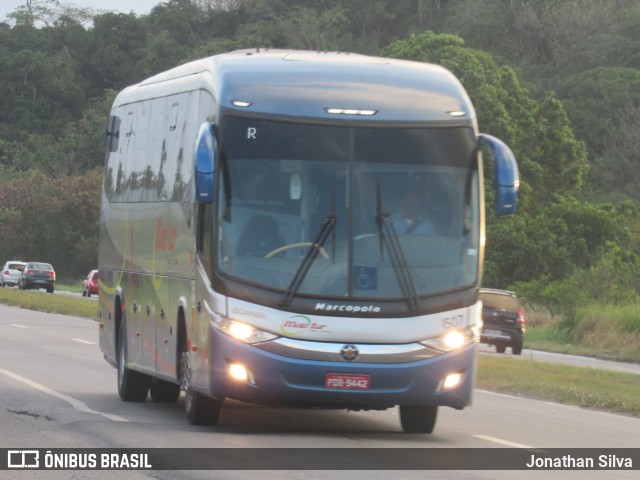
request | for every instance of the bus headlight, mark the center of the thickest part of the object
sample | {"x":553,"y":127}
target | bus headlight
{"x":243,"y":331}
{"x":454,"y":339}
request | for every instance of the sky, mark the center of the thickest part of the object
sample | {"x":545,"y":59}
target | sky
{"x":141,"y":7}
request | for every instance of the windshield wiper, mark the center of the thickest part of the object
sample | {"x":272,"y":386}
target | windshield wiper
{"x":396,"y":253}
{"x":327,"y":226}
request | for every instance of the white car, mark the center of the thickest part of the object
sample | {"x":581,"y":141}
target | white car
{"x":11,"y":272}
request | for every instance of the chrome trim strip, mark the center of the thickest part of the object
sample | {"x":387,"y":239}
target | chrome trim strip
{"x":330,"y":352}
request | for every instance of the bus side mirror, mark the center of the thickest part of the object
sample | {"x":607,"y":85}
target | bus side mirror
{"x":507,"y":178}
{"x":206,"y":149}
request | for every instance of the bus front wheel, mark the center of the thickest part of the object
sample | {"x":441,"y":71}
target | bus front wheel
{"x":200,"y":409}
{"x":418,"y":419}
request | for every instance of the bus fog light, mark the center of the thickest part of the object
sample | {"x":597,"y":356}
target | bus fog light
{"x":452,"y":380}
{"x":238,"y":372}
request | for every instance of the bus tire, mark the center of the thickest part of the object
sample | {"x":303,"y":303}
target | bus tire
{"x":132,"y":386}
{"x":418,"y":419}
{"x":200,"y":409}
{"x":164,"y":392}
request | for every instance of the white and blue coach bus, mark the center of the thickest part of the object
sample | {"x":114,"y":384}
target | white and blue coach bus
{"x":296,"y":229}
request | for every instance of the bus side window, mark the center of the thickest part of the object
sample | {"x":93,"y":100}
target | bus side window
{"x":113,"y":133}
{"x":205,"y":236}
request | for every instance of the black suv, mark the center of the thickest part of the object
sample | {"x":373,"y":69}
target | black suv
{"x":503,"y":320}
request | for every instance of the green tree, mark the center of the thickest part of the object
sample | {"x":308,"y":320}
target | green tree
{"x":119,"y":43}
{"x":550,"y":158}
{"x":180,"y":19}
{"x":552,"y":162}
{"x":573,"y":34}
{"x":53,"y":220}
{"x":39,"y":93}
{"x":309,"y":29}
{"x":550,"y":245}
{"x":603,"y":104}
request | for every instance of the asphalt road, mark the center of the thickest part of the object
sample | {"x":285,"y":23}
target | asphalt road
{"x":57,"y":391}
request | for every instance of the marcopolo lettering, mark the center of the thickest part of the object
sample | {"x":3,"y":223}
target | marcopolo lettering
{"x":327,"y":307}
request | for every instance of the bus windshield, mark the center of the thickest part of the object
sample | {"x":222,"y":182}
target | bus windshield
{"x":347,"y":212}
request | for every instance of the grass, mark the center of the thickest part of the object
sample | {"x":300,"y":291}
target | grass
{"x":46,"y":302}
{"x":74,"y":287}
{"x":608,"y":333}
{"x":584,"y":387}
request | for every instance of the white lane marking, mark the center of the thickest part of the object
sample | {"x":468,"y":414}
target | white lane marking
{"x":83,"y":341}
{"x":77,"y":404}
{"x":18,"y":326}
{"x":503,"y":442}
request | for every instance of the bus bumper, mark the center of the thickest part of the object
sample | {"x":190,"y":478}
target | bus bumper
{"x":281,"y":381}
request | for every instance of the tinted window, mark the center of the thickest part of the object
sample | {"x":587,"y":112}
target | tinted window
{"x":41,"y":266}
{"x":500,"y":301}
{"x":282,"y":183}
{"x":152,"y":160}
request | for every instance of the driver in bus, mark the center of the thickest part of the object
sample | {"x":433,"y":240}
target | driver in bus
{"x":412,"y":217}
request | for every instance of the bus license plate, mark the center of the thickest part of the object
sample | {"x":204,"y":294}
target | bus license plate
{"x":347,"y":381}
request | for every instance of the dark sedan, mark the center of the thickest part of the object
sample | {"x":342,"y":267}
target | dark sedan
{"x":37,"y":275}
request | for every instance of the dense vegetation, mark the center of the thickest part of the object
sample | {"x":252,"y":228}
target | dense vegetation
{"x":559,"y":80}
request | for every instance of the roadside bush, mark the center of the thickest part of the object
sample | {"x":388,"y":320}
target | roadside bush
{"x":53,"y":220}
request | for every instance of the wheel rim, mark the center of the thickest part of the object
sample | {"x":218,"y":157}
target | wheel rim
{"x":185,"y":383}
{"x":185,"y":375}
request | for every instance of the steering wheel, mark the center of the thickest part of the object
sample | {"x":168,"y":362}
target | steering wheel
{"x":278,"y":250}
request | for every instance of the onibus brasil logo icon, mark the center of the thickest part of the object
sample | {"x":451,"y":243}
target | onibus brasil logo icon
{"x":23,"y":459}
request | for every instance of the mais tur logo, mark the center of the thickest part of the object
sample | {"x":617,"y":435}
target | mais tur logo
{"x":299,"y":324}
